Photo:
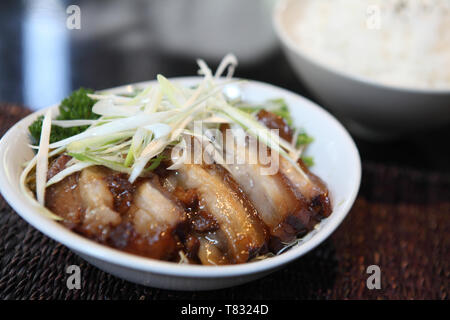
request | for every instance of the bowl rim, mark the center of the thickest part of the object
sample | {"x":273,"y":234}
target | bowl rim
{"x":287,"y":40}
{"x":95,"y":250}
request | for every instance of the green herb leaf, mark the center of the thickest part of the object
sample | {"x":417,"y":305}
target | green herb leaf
{"x":308,"y":161}
{"x":77,"y":106}
{"x":304,"y":139}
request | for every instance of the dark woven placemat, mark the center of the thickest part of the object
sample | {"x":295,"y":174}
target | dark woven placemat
{"x":400,"y":222}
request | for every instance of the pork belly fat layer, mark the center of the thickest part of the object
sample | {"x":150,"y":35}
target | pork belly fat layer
{"x":98,"y":201}
{"x":154,"y":211}
{"x":152,"y":222}
{"x":306,"y":185}
{"x":287,"y":202}
{"x":270,"y":194}
{"x":238,"y":222}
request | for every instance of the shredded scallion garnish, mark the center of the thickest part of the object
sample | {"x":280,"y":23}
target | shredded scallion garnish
{"x":129,"y":133}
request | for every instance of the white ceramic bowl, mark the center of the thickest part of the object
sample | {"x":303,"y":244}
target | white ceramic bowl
{"x":337,"y":162}
{"x":368,"y":108}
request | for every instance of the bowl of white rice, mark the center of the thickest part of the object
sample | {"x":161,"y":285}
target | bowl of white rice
{"x":382,"y":66}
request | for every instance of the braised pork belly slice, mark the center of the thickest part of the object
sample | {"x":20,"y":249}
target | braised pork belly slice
{"x":153,"y":210}
{"x":85,"y":203}
{"x":243,"y":232}
{"x":276,"y":204}
{"x":155,"y":218}
{"x":104,"y":206}
{"x":273,"y":200}
{"x":98,"y":201}
{"x":305,"y":185}
{"x":209,"y":252}
{"x":64,"y":199}
{"x":278,"y":200}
